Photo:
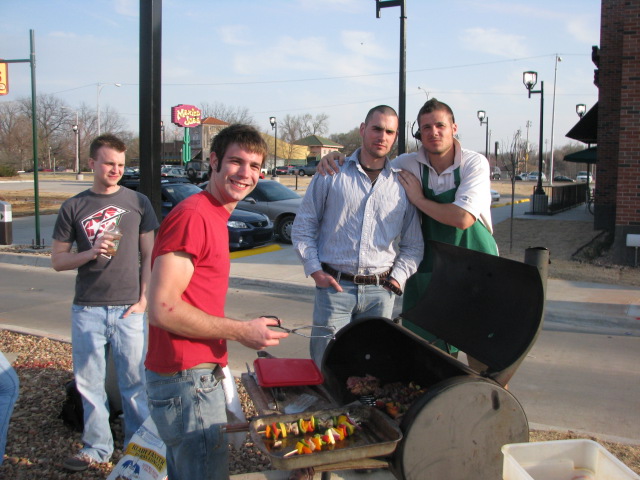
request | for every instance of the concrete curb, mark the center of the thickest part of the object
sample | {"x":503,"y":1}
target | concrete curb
{"x":25,"y":259}
{"x":614,"y":319}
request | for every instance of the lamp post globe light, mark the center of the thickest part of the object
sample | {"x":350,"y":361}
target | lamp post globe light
{"x":76,"y":130}
{"x":484,"y":120}
{"x":540,"y":199}
{"x":100,"y":86}
{"x":581,"y":109}
{"x":274,"y":125}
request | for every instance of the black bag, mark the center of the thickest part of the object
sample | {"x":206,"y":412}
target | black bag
{"x":72,"y":413}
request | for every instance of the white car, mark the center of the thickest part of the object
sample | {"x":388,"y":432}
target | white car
{"x":495,"y":196}
{"x":533,"y":177}
{"x":581,"y":177}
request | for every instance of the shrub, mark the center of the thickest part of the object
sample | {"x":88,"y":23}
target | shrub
{"x":8,"y":171}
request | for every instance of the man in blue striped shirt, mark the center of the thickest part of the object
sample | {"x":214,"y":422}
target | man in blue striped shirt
{"x":357,"y":234}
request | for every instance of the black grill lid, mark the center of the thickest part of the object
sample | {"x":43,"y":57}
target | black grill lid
{"x":489,"y":307}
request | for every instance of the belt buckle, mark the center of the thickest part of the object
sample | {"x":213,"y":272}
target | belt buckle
{"x":355,"y":279}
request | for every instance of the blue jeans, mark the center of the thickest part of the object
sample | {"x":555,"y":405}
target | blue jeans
{"x":188,"y":409}
{"x":9,"y":385}
{"x":94,"y":330}
{"x":337,"y":309}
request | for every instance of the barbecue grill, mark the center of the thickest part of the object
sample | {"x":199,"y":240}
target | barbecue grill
{"x":490,"y":308}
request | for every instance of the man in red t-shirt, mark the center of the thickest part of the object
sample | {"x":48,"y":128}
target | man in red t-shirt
{"x":188,"y":330}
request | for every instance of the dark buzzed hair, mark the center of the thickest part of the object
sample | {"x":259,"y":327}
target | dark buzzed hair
{"x":433,"y":105}
{"x":384,"y":109}
{"x":107,"y":140}
{"x":245,"y":136}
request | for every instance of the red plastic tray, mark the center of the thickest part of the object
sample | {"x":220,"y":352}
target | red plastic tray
{"x":286,"y":372}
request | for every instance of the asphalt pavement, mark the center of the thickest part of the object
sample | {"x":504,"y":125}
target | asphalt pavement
{"x":574,"y":306}
{"x":584,"y":306}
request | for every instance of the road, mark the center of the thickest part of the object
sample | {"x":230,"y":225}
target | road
{"x":579,"y":381}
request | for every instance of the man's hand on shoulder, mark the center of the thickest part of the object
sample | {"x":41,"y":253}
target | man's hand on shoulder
{"x":328,"y":163}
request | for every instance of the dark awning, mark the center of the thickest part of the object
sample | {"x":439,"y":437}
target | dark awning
{"x":588,"y":155}
{"x":586,"y":130}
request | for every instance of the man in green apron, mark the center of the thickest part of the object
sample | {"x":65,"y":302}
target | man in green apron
{"x":451,"y":188}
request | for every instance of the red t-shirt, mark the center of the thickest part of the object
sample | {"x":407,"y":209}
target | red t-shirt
{"x":197,"y":226}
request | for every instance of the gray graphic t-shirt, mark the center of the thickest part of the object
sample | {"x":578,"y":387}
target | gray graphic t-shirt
{"x":83,"y":219}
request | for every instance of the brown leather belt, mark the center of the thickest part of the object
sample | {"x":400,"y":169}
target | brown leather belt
{"x":375,"y":279}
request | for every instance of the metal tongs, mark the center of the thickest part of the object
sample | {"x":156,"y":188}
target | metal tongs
{"x":314,"y":330}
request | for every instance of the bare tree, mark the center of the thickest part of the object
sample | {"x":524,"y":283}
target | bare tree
{"x":295,"y":127}
{"x":511,"y":157}
{"x":351,"y":140}
{"x":227,"y":113}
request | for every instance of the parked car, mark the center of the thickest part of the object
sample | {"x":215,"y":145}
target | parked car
{"x":172,"y":172}
{"x":562,"y":178}
{"x":197,"y":171}
{"x":495,"y":173}
{"x":277,"y":202}
{"x":521,"y":176}
{"x":286,"y":170}
{"x":533,"y":177}
{"x":582,"y":177}
{"x":495,"y":196}
{"x":308,"y":169}
{"x":246,"y":229}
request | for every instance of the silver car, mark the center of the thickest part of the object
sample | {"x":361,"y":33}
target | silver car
{"x":277,"y":202}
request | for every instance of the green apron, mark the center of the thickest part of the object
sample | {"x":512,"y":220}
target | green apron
{"x":477,"y":237}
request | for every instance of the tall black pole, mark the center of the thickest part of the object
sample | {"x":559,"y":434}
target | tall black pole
{"x":34,"y":130}
{"x":539,"y":189}
{"x":486,"y":140}
{"x":402,"y":94}
{"x":150,"y":100}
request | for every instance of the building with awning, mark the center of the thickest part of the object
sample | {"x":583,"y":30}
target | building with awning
{"x":318,"y":146}
{"x":613,"y":125}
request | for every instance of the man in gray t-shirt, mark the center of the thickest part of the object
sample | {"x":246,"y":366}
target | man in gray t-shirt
{"x":108,"y":311}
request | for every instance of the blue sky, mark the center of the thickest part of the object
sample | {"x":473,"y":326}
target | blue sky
{"x":283,"y":57}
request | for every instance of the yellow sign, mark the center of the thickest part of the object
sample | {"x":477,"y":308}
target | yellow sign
{"x":4,"y":78}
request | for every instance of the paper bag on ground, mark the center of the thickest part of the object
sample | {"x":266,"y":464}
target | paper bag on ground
{"x":144,"y":458}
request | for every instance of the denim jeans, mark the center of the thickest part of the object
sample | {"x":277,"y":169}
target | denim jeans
{"x":9,"y":385}
{"x":188,"y":409}
{"x":94,"y":330}
{"x":337,"y":309}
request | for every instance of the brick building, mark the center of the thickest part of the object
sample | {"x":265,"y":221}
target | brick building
{"x":617,"y":200}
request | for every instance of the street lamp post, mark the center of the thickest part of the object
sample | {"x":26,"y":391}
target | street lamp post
{"x":402,"y":93}
{"x":581,"y":109}
{"x":76,"y":130}
{"x":425,"y":92}
{"x":100,"y":86}
{"x":484,"y":120}
{"x":274,"y":125}
{"x":553,"y":116}
{"x":530,"y":79}
{"x":162,"y":151}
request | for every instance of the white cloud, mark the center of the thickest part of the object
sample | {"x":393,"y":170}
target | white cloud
{"x":494,"y":42}
{"x":364,"y":44}
{"x":130,"y":8}
{"x":234,"y":34}
{"x":350,"y":6}
{"x":356,"y":54}
{"x":584,"y":29}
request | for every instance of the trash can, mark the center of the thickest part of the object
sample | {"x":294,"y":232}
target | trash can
{"x":6,"y":224}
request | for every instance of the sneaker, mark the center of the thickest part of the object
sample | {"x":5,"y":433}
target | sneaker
{"x":78,"y":462}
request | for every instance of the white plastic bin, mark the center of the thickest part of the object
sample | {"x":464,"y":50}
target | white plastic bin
{"x":562,"y":460}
